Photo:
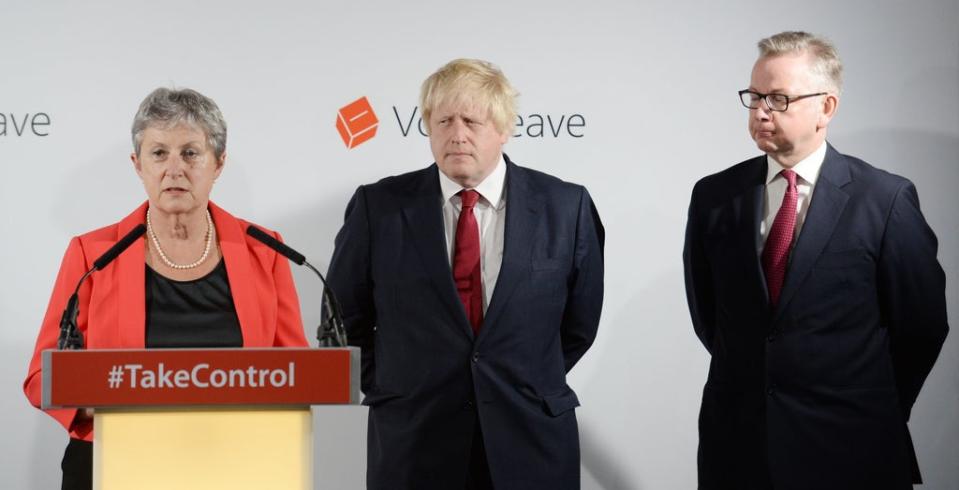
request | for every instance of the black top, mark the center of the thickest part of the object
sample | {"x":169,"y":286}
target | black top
{"x":197,"y":313}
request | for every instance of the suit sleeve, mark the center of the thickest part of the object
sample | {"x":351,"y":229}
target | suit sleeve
{"x":699,"y":292}
{"x":912,"y":289}
{"x":289,"y":322}
{"x":350,"y":278}
{"x":72,"y":268}
{"x":585,"y":299}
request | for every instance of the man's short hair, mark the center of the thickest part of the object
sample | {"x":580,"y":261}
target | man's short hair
{"x":825,"y":59}
{"x":476,"y":82}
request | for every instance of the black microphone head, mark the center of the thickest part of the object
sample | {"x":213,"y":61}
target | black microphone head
{"x":281,"y":248}
{"x":120,"y":246}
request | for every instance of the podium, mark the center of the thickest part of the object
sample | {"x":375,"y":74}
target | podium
{"x":201,"y":418}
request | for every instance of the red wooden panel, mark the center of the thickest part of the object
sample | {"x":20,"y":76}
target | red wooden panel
{"x":170,"y":377}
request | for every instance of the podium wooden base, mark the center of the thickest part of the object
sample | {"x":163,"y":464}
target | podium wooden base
{"x":228,"y":448}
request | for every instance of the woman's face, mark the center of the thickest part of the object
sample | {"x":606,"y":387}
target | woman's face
{"x":177,"y":167}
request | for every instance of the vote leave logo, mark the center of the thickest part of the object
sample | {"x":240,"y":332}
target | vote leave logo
{"x":356,"y":122}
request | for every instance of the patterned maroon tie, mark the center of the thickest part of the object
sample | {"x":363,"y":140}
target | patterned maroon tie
{"x":780,"y":239}
{"x":466,"y":261}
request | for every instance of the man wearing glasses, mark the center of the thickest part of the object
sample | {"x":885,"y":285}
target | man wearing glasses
{"x":812,"y":281}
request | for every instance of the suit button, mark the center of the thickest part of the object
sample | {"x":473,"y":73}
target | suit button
{"x":771,"y":337}
{"x":468,"y":405}
{"x":476,"y":357}
{"x":771,"y":389}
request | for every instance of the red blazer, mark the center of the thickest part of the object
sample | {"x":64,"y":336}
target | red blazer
{"x":113,"y":305}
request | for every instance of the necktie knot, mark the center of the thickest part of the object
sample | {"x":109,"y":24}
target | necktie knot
{"x":790,"y":176}
{"x":469,"y":198}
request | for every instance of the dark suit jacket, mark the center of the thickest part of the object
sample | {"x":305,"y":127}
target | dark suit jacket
{"x":113,"y":300}
{"x":427,"y":379}
{"x":815,"y":393}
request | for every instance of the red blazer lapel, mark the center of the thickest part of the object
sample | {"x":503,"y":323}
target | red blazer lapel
{"x":232,"y":236}
{"x":129,"y":324}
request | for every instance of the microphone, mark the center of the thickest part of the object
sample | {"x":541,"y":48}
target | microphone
{"x":70,"y":337}
{"x":120,"y":246}
{"x":331,"y":332}
{"x":278,"y":246}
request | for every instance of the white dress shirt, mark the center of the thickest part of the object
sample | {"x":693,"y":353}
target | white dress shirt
{"x":490,"y":213}
{"x":807,"y":171}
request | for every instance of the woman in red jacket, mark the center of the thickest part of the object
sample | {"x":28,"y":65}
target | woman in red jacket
{"x":195,"y":280}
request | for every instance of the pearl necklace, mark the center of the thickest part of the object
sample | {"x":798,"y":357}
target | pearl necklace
{"x":210,"y":231}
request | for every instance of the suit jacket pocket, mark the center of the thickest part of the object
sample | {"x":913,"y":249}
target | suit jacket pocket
{"x":376,"y":398}
{"x":554,"y":404}
{"x":560,"y":403}
{"x":842,"y":259}
{"x":549,"y":263}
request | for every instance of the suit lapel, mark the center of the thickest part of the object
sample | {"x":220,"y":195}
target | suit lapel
{"x":423,"y":216}
{"x":523,"y":206}
{"x":240,"y":272}
{"x":130,"y":282}
{"x":740,"y":219}
{"x":753,"y":207}
{"x":827,"y":204}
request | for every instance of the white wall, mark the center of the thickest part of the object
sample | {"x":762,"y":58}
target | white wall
{"x":655,"y":81}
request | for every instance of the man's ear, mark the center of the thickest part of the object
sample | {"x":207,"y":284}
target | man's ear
{"x":830,"y":105}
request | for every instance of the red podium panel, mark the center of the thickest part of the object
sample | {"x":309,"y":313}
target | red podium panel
{"x":179,"y":377}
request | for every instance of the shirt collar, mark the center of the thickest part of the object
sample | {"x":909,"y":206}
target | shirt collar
{"x":808,"y":168}
{"x":490,"y":189}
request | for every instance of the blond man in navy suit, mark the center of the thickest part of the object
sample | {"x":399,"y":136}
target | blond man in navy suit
{"x":466,"y":378}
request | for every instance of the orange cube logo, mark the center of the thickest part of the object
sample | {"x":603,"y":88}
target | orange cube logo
{"x":356,"y":122}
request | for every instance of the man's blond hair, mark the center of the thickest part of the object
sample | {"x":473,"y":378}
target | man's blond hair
{"x":475,"y":82}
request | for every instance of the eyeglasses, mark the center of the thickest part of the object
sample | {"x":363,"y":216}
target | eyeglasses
{"x":775,"y":102}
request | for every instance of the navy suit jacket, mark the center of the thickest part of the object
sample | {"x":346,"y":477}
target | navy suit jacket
{"x":427,"y":380}
{"x":816,"y":392}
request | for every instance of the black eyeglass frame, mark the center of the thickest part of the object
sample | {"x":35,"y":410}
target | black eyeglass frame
{"x":789,"y":99}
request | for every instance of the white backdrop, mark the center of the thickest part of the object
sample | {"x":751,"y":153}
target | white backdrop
{"x":655,"y":83}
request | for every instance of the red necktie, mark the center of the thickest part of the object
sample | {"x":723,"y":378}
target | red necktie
{"x":466,"y":261}
{"x":780,"y":239}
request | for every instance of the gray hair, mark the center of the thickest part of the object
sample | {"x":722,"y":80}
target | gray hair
{"x":165,"y":108}
{"x":826,"y":63}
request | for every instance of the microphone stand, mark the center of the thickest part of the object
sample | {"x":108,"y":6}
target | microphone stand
{"x":331,"y":332}
{"x":70,"y":338}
